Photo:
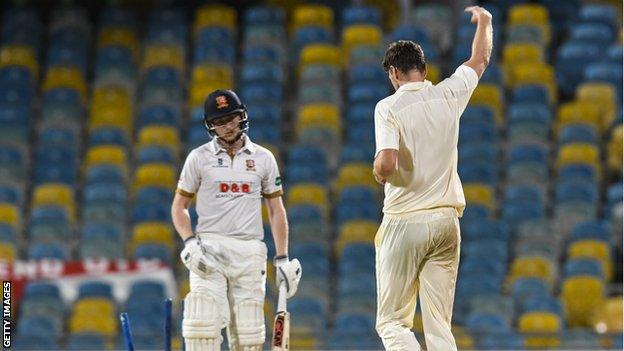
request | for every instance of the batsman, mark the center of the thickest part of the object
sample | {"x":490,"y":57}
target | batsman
{"x":226,"y":256}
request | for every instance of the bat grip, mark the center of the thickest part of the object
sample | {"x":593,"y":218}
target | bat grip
{"x":281,"y":298}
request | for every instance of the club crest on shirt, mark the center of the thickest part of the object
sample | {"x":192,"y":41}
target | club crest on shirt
{"x":220,"y":163}
{"x":251,"y":165}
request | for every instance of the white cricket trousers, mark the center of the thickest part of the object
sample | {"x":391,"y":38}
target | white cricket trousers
{"x":417,"y":253}
{"x":239,"y":291}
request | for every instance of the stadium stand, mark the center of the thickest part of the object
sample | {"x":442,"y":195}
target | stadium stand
{"x":99,"y":106}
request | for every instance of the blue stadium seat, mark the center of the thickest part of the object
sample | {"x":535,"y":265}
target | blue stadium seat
{"x":367,"y":72}
{"x":105,"y":192}
{"x":356,"y":285}
{"x":18,"y":95}
{"x":362,"y":132}
{"x":151,"y":212}
{"x":529,"y":112}
{"x":508,"y":340}
{"x":523,"y":288}
{"x":577,"y":171}
{"x":363,"y":112}
{"x":60,"y":54}
{"x":599,"y":13}
{"x":358,"y":193}
{"x":348,"y":211}
{"x":307,"y":155}
{"x":605,"y":72}
{"x":8,"y":234}
{"x":261,"y":92}
{"x":614,"y":54}
{"x":575,"y":190}
{"x":583,"y":266}
{"x":261,"y":53}
{"x":480,"y":322}
{"x":343,"y":341}
{"x":304,"y":213}
{"x":578,"y":133}
{"x":268,"y":113}
{"x":417,"y":34}
{"x":307,"y":173}
{"x":262,"y":14}
{"x":102,"y":231}
{"x":516,"y":213}
{"x":596,"y":33}
{"x":148,"y":289}
{"x":478,"y":115}
{"x":477,"y":284}
{"x":524,"y":194}
{"x":49,"y":213}
{"x":36,"y":342}
{"x":156,"y":154}
{"x":486,"y":230}
{"x":160,"y":114}
{"x":95,"y":289}
{"x":113,"y":16}
{"x":307,"y":35}
{"x":105,"y":174}
{"x":532,"y":93}
{"x":361,"y":15}
{"x":532,"y":153}
{"x":595,"y":229}
{"x":479,"y":151}
{"x":475,"y":211}
{"x":19,"y":75}
{"x":354,"y":324}
{"x":354,"y":152}
{"x":477,"y":132}
{"x":542,"y":304}
{"x":261,"y":72}
{"x":215,"y":52}
{"x":488,"y":249}
{"x":11,"y":194}
{"x":154,"y":194}
{"x":484,"y":172}
{"x":367,"y":92}
{"x":47,"y":251}
{"x":84,"y":341}
{"x":493,"y":74}
{"x":566,"y":67}
{"x":357,"y":258}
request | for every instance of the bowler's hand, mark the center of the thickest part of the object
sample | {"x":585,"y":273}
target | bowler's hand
{"x":478,"y":14}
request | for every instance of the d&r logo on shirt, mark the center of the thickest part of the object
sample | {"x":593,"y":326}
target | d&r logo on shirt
{"x":234,"y":187}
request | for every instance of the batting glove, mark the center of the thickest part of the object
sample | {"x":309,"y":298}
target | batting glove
{"x":289,"y":272}
{"x":201,"y":258}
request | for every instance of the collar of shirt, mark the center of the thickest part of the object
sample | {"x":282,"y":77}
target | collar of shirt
{"x":248,"y":146}
{"x":413,"y":86}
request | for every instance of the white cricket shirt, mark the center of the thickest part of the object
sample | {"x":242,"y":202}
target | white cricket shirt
{"x":229,"y":190}
{"x":421,"y":121}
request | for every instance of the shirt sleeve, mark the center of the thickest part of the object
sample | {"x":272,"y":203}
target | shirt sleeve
{"x":190,"y":178}
{"x":386,"y":130}
{"x":461,"y":85}
{"x":271,"y":182}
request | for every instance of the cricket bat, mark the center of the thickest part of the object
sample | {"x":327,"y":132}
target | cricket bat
{"x":281,"y":326}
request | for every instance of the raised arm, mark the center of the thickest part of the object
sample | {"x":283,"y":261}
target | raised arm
{"x":482,"y":42}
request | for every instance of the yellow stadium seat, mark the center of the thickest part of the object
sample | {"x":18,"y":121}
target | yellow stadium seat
{"x":355,"y":231}
{"x":155,"y":174}
{"x":581,"y":295}
{"x":122,"y":36}
{"x":603,"y":96}
{"x":608,"y":317}
{"x":597,"y":249}
{"x":214,"y":15}
{"x":163,"y":55}
{"x":312,"y":15}
{"x":19,"y":55}
{"x":531,"y":267}
{"x":159,"y":135}
{"x":320,"y":53}
{"x":97,"y":306}
{"x":360,"y":34}
{"x":110,"y":95}
{"x":152,"y":232}
{"x":218,"y":74}
{"x":313,"y":194}
{"x":614,"y":150}
{"x":105,"y":325}
{"x":489,"y":95}
{"x":106,"y":154}
{"x":10,"y":214}
{"x":479,"y":193}
{"x":528,"y":13}
{"x":55,"y":194}
{"x":65,"y":77}
{"x":537,"y":323}
{"x":355,"y":174}
{"x":8,"y":252}
{"x":535,"y":73}
{"x":463,"y":339}
{"x":433,"y":73}
{"x":303,"y":342}
{"x":573,"y":112}
{"x":514,"y":53}
{"x":111,"y":116}
{"x":578,"y":153}
{"x":322,"y":115}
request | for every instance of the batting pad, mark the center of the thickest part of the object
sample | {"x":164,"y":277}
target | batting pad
{"x":200,"y":327}
{"x":250,"y":324}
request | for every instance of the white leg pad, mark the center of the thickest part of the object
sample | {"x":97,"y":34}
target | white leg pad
{"x":250,"y":325}
{"x":201,"y":326}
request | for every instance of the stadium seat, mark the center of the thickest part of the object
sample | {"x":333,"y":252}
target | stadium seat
{"x":312,"y":194}
{"x":581,"y":295}
{"x":360,"y":34}
{"x":355,"y":231}
{"x":320,"y":53}
{"x":106,"y":155}
{"x":354,"y":174}
{"x":147,"y":232}
{"x":578,"y":153}
{"x":546,"y":325}
{"x":312,"y":15}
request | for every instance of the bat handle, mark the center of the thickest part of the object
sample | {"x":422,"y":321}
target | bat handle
{"x":281,"y":298}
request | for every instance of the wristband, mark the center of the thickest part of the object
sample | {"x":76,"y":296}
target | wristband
{"x":187,"y":240}
{"x":280,"y":258}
